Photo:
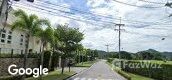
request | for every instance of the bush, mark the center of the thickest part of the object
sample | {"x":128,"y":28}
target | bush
{"x":164,"y":73}
{"x":110,"y":60}
{"x":124,"y":74}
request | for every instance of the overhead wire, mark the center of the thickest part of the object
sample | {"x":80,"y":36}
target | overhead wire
{"x":100,"y":15}
{"x":153,"y":2}
{"x":135,"y":5}
{"x":62,"y":15}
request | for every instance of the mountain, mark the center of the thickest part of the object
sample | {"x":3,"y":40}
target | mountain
{"x":168,"y":55}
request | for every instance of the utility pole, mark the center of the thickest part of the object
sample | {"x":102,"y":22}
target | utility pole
{"x":119,"y":30}
{"x":107,"y":47}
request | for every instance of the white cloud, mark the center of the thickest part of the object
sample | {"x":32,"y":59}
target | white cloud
{"x":136,"y":37}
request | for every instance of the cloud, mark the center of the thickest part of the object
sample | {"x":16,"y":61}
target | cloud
{"x":144,"y":27}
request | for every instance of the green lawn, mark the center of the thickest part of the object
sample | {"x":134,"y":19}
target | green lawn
{"x":55,"y":75}
{"x":85,"y":64}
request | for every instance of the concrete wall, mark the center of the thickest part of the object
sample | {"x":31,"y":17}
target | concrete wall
{"x":16,"y":44}
{"x":6,"y":62}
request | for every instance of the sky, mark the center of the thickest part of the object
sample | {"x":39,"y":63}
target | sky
{"x":146,"y":23}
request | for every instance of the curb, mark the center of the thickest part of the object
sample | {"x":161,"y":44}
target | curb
{"x":79,"y":72}
{"x":70,"y":76}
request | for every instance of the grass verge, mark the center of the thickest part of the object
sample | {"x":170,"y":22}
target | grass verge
{"x":54,"y":75}
{"x":129,"y":76}
{"x":85,"y":64}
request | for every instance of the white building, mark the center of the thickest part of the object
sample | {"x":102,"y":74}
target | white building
{"x":15,"y":41}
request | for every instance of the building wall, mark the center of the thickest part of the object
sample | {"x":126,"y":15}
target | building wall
{"x":16,"y":41}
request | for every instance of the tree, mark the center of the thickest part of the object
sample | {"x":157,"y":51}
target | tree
{"x":150,"y":54}
{"x":30,"y":24}
{"x":69,"y":39}
{"x":46,"y":37}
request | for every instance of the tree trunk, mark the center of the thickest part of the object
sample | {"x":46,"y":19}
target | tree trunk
{"x":69,"y":64}
{"x":63,"y":64}
{"x":69,"y":68}
{"x":49,"y":65}
{"x":25,"y":55}
{"x":42,"y":58}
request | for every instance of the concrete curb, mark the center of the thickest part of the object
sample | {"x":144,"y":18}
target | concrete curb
{"x":69,"y":78}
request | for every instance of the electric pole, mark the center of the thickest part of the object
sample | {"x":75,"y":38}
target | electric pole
{"x":107,"y":47}
{"x":119,"y":30}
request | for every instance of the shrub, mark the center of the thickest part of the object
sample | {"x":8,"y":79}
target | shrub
{"x":110,"y":60}
{"x":164,"y":73}
{"x":124,"y":74}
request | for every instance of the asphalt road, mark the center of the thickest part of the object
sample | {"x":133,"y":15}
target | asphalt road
{"x":99,"y":71}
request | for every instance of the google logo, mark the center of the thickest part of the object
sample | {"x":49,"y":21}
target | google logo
{"x":12,"y":69}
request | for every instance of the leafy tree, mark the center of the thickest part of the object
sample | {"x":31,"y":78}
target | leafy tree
{"x":69,"y":39}
{"x":30,"y":24}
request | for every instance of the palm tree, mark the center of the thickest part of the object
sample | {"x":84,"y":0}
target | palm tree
{"x":46,"y":36}
{"x":29,"y":23}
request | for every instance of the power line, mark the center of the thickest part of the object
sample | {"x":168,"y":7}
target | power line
{"x":150,"y":23}
{"x":55,"y":14}
{"x":135,"y":5}
{"x":152,"y":2}
{"x":67,"y":12}
{"x":100,"y":15}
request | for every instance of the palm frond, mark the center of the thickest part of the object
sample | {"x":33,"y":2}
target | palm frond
{"x":18,"y":24}
{"x":42,"y":22}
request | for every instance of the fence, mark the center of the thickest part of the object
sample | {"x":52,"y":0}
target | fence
{"x":15,"y":53}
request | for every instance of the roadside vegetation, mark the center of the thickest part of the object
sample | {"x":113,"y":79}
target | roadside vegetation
{"x":156,"y":69}
{"x":54,"y":75}
{"x":127,"y":75}
{"x":85,"y":64}
{"x":63,"y":43}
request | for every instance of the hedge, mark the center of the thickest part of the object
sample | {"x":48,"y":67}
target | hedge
{"x":110,"y":60}
{"x":163,"y":73}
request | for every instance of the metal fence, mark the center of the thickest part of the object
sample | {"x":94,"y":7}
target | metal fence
{"x":10,"y":53}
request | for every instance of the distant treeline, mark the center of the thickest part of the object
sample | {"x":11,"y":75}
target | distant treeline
{"x":149,"y":54}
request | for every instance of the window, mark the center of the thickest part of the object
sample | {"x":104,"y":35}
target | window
{"x":2,"y":40}
{"x":9,"y":42}
{"x":4,"y":31}
{"x":3,"y":36}
{"x":21,"y":39}
{"x":9,"y":38}
{"x":10,"y":32}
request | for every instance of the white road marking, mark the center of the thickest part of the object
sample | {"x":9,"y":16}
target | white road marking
{"x":83,"y":79}
{"x":90,"y":79}
{"x":76,"y":79}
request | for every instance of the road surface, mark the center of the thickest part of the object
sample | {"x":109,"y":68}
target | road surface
{"x":99,"y":71}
